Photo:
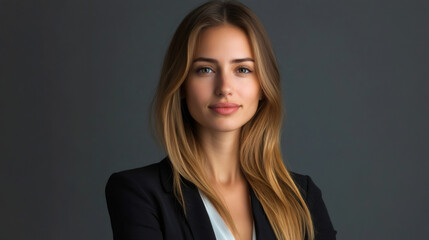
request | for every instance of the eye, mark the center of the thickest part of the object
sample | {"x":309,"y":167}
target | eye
{"x":204,"y":70}
{"x":243,"y":70}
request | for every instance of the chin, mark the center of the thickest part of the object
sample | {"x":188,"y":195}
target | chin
{"x":226,"y":127}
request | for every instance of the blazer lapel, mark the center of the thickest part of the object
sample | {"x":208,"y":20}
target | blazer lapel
{"x":262,"y":225}
{"x":196,"y":215}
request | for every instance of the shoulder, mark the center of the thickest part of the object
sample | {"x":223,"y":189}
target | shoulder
{"x":304,"y":183}
{"x":313,"y":197}
{"x":145,"y":176}
{"x":140,"y":182}
{"x":133,"y":198}
{"x":149,"y":173}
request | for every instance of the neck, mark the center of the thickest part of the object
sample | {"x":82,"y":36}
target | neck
{"x":222,"y":156}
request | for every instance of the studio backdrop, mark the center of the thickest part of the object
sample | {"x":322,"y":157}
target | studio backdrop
{"x":77,"y":78}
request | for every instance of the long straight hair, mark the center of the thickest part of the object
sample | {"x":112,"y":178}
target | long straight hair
{"x":259,"y":153}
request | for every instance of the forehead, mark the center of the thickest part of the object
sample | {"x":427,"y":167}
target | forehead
{"x":225,"y":41}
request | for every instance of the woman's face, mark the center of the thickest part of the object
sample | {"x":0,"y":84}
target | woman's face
{"x":222,"y":91}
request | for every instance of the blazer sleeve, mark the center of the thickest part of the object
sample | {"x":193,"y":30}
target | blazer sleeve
{"x":322,"y":223}
{"x":130,"y":208}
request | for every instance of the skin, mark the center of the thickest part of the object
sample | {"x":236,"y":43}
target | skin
{"x":223,"y":71}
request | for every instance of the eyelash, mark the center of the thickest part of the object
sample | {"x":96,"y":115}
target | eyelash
{"x":202,"y":69}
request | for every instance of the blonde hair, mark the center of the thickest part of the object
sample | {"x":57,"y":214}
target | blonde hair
{"x":259,"y":153}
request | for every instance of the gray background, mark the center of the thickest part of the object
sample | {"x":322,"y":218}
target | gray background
{"x":77,"y":78}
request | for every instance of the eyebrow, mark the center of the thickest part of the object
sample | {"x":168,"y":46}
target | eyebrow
{"x":211,"y":60}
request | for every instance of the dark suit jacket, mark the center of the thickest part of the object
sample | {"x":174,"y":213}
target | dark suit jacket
{"x":142,"y":205}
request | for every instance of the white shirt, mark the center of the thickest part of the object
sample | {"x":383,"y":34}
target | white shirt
{"x":219,"y":226}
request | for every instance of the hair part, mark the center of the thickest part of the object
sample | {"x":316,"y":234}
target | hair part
{"x":259,"y":153}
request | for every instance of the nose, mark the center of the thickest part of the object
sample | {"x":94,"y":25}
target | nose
{"x":224,"y":85}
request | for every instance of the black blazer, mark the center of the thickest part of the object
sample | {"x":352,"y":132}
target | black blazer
{"x":142,"y":205}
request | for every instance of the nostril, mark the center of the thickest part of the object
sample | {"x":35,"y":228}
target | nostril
{"x":223,"y":92}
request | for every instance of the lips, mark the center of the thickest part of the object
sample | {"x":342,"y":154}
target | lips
{"x":225,"y":108}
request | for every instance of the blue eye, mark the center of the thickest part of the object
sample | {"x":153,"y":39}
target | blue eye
{"x":204,"y":70}
{"x":243,"y":70}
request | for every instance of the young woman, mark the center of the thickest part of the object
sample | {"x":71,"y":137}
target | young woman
{"x":218,"y":113}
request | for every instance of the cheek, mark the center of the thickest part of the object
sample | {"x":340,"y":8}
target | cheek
{"x":198,"y":93}
{"x":197,"y":98}
{"x":252,"y":92}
